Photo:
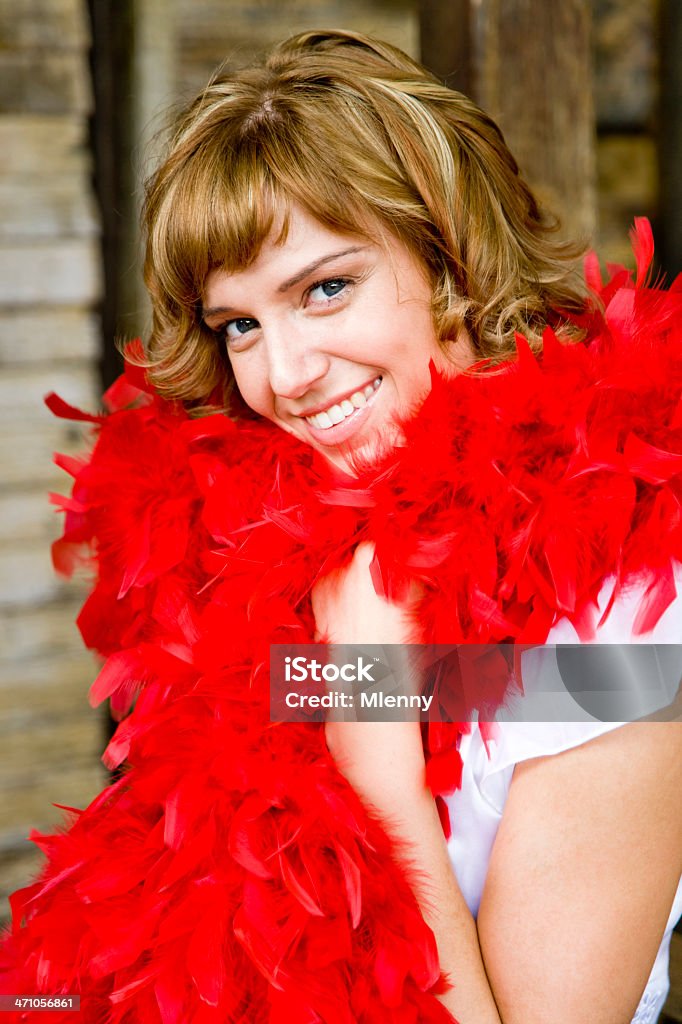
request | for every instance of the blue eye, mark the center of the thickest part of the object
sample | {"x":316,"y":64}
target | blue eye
{"x":235,"y":329}
{"x":334,"y":286}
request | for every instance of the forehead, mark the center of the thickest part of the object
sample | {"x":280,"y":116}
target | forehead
{"x":296,"y":241}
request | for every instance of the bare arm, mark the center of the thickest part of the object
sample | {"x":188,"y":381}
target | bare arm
{"x":384,"y":762}
{"x":583,"y":875}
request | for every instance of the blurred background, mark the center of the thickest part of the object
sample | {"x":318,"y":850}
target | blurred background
{"x":587,"y":92}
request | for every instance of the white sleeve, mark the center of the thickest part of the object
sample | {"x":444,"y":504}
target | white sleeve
{"x":622,"y":680}
{"x":476,"y":809}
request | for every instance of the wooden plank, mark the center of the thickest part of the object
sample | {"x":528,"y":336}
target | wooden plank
{"x":40,"y":23}
{"x":50,"y":685}
{"x":23,"y":390}
{"x":26,"y":576}
{"x":65,"y":272}
{"x":27,"y":515}
{"x":45,"y":209}
{"x":42,"y":146}
{"x":39,"y":749}
{"x":66,"y":334}
{"x":44,"y":631}
{"x":27,"y":449}
{"x":51,"y":82}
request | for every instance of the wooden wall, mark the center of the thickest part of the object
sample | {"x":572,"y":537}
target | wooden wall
{"x":626,"y":81}
{"x":51,"y":289}
{"x":49,"y":339}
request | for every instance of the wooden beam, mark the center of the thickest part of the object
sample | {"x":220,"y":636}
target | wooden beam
{"x":533,"y":74}
{"x":112,"y":45}
{"x":444,"y":29}
{"x":669,"y":234}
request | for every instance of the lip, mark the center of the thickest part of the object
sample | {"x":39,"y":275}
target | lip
{"x":314,"y":409}
{"x":333,"y":436}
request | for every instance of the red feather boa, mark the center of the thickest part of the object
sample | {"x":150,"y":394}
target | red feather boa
{"x":231,"y":874}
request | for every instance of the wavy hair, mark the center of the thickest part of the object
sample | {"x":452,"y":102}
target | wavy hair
{"x":368,"y":142}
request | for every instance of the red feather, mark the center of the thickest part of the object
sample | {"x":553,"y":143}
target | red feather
{"x":231,"y":873}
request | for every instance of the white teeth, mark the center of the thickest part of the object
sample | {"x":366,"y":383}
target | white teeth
{"x":337,"y":413}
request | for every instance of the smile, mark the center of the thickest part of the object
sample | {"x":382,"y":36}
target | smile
{"x":348,"y":407}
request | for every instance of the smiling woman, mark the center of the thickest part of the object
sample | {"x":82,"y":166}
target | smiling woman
{"x":336,"y":362}
{"x":361,"y":139}
{"x":377,"y":407}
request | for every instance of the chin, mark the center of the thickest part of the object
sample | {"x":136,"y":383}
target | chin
{"x":359,"y":456}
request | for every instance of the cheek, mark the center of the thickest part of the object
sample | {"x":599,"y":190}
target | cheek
{"x":411,"y":358}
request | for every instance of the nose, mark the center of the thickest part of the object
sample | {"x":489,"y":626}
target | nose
{"x":295,"y":361}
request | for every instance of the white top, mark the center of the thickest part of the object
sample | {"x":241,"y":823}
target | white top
{"x":476,"y":809}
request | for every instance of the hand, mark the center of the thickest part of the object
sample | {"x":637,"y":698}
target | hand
{"x":348,"y":609}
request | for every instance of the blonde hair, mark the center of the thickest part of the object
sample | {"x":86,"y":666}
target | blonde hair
{"x":368,"y":142}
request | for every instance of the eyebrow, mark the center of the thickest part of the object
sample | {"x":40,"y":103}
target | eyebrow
{"x":295,"y":279}
{"x":312,"y":267}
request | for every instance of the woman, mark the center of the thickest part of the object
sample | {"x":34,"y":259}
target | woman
{"x":334,"y":240}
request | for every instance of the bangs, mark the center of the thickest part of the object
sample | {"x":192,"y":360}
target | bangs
{"x":217,"y":212}
{"x":225,"y":200}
